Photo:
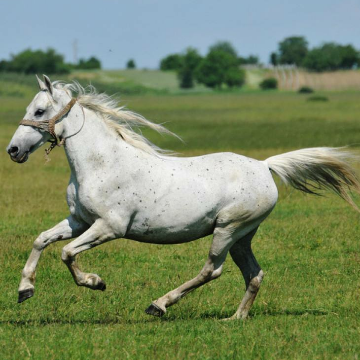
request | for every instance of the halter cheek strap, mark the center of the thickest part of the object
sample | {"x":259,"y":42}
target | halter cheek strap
{"x":49,"y":125}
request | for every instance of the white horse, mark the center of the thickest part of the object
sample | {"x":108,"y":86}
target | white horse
{"x":122,"y":186}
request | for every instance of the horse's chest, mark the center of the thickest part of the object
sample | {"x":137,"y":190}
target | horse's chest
{"x":79,"y":202}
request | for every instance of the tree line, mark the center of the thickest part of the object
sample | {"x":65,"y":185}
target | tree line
{"x":45,"y":62}
{"x":329,"y":56}
{"x":221,"y":66}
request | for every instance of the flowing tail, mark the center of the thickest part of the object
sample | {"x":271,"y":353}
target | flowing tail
{"x":314,"y":169}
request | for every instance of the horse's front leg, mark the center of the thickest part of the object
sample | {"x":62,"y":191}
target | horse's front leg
{"x":97,"y":234}
{"x":66,"y":229}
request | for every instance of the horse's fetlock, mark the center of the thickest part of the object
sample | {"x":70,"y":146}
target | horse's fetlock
{"x":26,"y":273}
{"x":80,"y":282}
{"x":255,"y":282}
{"x":216,"y":273}
{"x":66,"y":254}
{"x":207,"y":272}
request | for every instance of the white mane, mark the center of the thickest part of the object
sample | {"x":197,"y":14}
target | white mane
{"x":117,"y":118}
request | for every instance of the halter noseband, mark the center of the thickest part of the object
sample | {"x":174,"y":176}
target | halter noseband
{"x":49,"y":125}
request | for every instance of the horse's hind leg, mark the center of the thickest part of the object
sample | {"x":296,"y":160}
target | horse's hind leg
{"x":211,"y":270}
{"x":222,"y":241}
{"x":244,"y":258}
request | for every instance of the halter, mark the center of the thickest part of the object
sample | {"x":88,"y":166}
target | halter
{"x":49,"y":125}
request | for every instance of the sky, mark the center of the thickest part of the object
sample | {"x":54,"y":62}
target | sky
{"x":115,"y":31}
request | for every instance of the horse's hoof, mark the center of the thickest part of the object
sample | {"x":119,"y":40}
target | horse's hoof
{"x":100,"y":286}
{"x":25,"y":294}
{"x":155,"y":310}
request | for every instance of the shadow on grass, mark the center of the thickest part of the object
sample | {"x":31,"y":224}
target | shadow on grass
{"x":46,"y":322}
{"x":221,"y":315}
{"x":295,"y":312}
{"x":212,"y":315}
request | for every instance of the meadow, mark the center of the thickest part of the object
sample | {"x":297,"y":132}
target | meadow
{"x":309,"y":303}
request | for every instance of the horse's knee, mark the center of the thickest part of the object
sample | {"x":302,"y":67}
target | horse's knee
{"x":39,"y":243}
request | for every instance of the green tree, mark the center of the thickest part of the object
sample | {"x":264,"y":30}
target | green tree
{"x":274,"y":59}
{"x":219,"y":67}
{"x":250,"y":60}
{"x":234,"y":77}
{"x":38,"y":61}
{"x":171,"y":62}
{"x":4,"y":65}
{"x":131,"y":64}
{"x":224,"y":46}
{"x":191,"y":60}
{"x":349,"y":56}
{"x":91,"y":63}
{"x":293,"y":50}
{"x":331,"y":56}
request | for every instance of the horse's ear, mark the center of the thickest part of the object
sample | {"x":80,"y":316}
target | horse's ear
{"x":41,"y":83}
{"x":48,"y":84}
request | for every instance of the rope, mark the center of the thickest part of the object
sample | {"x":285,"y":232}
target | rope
{"x":49,"y":125}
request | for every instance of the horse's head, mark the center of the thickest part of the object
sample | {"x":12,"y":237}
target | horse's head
{"x":45,"y":105}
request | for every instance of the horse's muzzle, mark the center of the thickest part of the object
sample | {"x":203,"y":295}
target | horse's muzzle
{"x":16,"y":156}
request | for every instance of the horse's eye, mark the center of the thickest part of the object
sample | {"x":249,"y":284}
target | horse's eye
{"x":39,"y":112}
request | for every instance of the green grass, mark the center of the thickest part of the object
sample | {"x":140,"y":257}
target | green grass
{"x":309,"y":303}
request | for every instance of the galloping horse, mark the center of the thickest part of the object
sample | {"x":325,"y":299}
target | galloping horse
{"x":122,"y":186}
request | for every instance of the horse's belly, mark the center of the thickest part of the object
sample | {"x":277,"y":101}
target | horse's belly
{"x":166,"y":231}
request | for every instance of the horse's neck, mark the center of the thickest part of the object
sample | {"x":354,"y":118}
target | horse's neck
{"x":90,"y":143}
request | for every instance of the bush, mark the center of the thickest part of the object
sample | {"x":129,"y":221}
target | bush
{"x":268,"y":84}
{"x":305,"y":90}
{"x":317,"y":98}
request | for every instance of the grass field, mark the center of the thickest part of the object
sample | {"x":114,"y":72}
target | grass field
{"x":309,"y":303}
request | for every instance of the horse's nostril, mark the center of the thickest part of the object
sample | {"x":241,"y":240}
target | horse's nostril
{"x":13,"y":151}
